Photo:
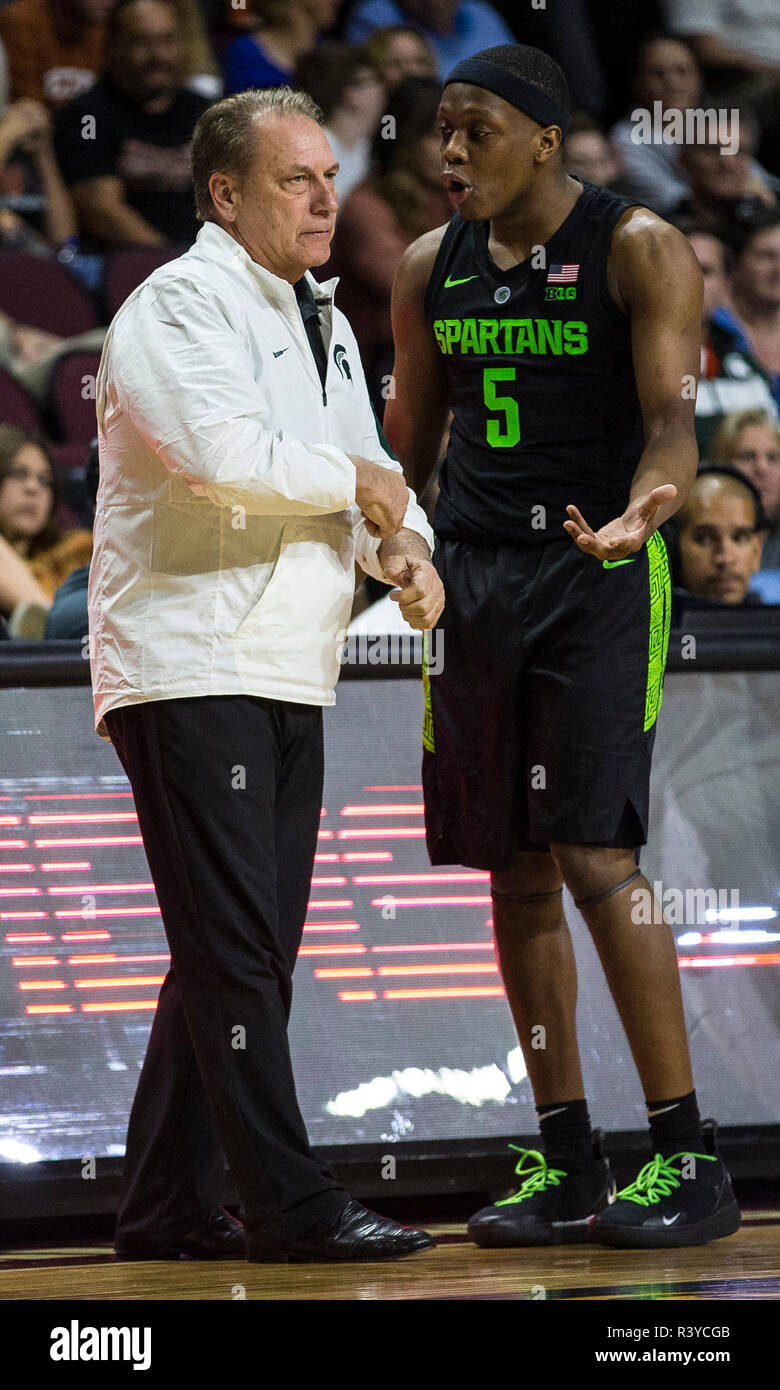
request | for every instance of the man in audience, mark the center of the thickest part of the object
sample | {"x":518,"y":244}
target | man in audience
{"x":755,"y":292}
{"x":54,"y":47}
{"x":731,"y":379}
{"x":454,"y":28}
{"x":720,"y":529}
{"x":124,"y":146}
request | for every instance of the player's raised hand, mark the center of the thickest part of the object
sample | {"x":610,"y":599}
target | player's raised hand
{"x":627,"y":533}
{"x":420,"y":594}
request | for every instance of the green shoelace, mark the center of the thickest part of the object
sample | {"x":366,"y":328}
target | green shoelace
{"x":657,"y":1179}
{"x":535,"y":1177}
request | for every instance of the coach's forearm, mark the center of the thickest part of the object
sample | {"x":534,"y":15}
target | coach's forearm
{"x":671,"y":456}
{"x":403,"y":543}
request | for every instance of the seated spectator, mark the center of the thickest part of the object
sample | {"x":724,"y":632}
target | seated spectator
{"x":29,"y":175}
{"x":55,"y":48}
{"x":738,"y":43}
{"x":132,"y":182}
{"x":286,"y":30}
{"x":725,"y":187}
{"x":455,"y":29}
{"x":396,"y":52}
{"x":28,"y":523}
{"x":346,"y":88}
{"x":589,"y":154}
{"x":731,"y":379}
{"x":750,"y":442}
{"x":755,"y":292}
{"x":403,"y":197}
{"x":68,"y":616}
{"x":668,"y":72}
{"x":734,"y":35}
{"x":720,"y":531}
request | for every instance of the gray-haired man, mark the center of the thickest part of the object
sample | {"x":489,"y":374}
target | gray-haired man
{"x":241,"y":476}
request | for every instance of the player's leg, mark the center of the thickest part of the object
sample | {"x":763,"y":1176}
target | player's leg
{"x":536,"y":958}
{"x":640,"y":965}
{"x":561,"y":1187}
{"x":684,"y":1195}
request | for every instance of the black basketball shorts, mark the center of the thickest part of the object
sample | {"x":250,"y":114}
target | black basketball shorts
{"x":543,"y":682}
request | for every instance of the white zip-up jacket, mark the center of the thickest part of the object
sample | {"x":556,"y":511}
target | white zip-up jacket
{"x":226,"y":528}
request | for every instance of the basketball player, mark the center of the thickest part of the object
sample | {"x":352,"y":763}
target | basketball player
{"x":560,"y":325}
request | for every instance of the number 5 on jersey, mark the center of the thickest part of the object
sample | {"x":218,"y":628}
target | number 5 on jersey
{"x":497,"y":437}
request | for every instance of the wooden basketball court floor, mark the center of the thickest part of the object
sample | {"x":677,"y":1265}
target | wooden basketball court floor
{"x":743,"y":1266}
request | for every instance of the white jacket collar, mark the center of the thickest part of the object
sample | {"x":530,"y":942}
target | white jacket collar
{"x":216,"y":244}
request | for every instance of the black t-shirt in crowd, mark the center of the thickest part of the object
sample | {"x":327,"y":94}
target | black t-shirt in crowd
{"x":149,"y":153}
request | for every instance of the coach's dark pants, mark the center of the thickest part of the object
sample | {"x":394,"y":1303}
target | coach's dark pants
{"x":228,"y":791}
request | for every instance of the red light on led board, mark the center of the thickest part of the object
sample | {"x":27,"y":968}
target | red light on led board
{"x":449,"y":992}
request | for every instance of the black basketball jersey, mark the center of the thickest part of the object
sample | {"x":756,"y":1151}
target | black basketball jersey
{"x":540,"y":377}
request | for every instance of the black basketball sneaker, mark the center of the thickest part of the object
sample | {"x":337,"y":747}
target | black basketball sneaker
{"x":684,"y":1199}
{"x":552,"y":1206}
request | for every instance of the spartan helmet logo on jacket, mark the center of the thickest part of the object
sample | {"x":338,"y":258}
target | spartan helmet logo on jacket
{"x":340,"y":358}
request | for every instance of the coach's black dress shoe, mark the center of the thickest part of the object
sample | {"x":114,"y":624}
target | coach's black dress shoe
{"x":354,"y":1234}
{"x":220,"y":1238}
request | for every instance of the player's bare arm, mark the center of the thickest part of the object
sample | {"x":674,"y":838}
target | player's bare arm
{"x":654,"y":277}
{"x":416,"y":412}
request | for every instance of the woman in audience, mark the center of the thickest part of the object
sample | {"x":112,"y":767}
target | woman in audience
{"x":402,"y":198}
{"x":396,"y":53}
{"x":29,"y":528}
{"x":202,"y":72}
{"x":345,"y":85}
{"x":668,"y":72}
{"x":286,"y":30}
{"x":750,"y":441}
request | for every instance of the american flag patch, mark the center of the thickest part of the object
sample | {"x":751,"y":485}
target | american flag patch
{"x":562,"y":274}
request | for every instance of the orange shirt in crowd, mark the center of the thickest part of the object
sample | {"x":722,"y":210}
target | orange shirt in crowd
{"x":51,"y":567}
{"x":46,"y":61}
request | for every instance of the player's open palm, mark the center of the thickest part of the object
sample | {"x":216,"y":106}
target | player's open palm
{"x":627,"y":533}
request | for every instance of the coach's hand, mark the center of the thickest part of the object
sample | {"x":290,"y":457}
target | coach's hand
{"x":627,"y":533}
{"x":382,"y":496}
{"x":420,"y":594}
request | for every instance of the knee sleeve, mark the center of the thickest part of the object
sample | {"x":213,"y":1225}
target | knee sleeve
{"x":608,"y":892}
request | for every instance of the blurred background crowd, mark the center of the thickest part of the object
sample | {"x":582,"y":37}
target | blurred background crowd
{"x":98,"y":100}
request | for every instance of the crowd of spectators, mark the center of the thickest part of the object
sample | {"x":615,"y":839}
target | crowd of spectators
{"x":98,"y":101}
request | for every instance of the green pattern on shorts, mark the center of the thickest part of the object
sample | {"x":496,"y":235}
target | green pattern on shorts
{"x":660,"y":618}
{"x":427,"y":733}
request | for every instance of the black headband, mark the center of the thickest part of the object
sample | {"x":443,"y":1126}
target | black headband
{"x":481,"y":72}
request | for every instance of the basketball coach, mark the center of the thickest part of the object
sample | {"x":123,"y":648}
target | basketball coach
{"x":241,"y":475}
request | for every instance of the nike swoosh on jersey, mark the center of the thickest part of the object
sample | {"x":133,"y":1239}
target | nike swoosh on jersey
{"x":448,"y":283}
{"x":613,"y":564}
{"x":279,"y":353}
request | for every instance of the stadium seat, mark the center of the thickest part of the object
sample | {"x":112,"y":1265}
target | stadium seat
{"x":16,"y":406}
{"x":72,"y":398}
{"x":43,"y":294}
{"x":127,"y":269}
